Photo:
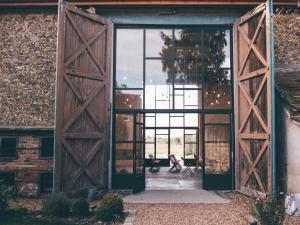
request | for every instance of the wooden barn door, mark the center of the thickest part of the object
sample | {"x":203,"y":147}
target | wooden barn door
{"x":253,"y":102}
{"x":82,"y":100}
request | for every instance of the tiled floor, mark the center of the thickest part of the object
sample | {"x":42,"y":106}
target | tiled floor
{"x":164,"y":180}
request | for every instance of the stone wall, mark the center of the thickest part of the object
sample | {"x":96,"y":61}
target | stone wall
{"x":27,"y":64}
{"x":27,"y":69}
{"x":27,"y":166}
{"x":287,"y":38}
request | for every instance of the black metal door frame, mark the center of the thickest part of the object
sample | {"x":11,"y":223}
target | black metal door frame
{"x":201,"y":111}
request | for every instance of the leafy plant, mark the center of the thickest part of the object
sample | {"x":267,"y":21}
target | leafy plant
{"x":57,"y":204}
{"x":270,"y":210}
{"x":80,"y":207}
{"x":6,"y":193}
{"x":110,"y":204}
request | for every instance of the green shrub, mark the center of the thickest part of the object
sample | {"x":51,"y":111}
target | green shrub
{"x":80,"y":207}
{"x":6,"y":193}
{"x":270,"y":211}
{"x":57,"y":204}
{"x":20,"y":210}
{"x":110,"y":204}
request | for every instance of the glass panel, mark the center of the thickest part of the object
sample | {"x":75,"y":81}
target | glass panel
{"x":226,"y":50}
{"x":139,"y":132}
{"x":176,"y":120}
{"x":162,"y":146}
{"x":129,"y":99}
{"x":150,"y":133}
{"x":163,"y":96}
{"x":188,"y":56}
{"x":139,"y":158}
{"x":149,"y":149}
{"x":150,"y":92}
{"x":157,"y":73}
{"x":217,"y":78}
{"x":124,"y":159}
{"x":191,"y":120}
{"x":162,"y":119}
{"x":192,"y":99}
{"x":190,"y":150}
{"x":217,"y":148}
{"x":162,"y":131}
{"x":179,"y":99}
{"x":129,"y":64}
{"x":156,"y":40}
{"x":217,"y":118}
{"x":176,"y":142}
{"x":124,"y":127}
{"x":150,"y":120}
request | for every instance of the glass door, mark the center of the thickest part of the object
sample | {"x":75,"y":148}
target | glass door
{"x":191,"y":146}
{"x":217,"y":152}
{"x":139,"y":154}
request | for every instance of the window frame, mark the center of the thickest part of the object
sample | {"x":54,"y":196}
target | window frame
{"x":40,"y":181}
{"x":40,"y":148}
{"x":11,"y":172}
{"x":201,"y":111}
{"x":9,"y":158}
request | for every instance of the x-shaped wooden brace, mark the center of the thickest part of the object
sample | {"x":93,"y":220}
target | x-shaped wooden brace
{"x":86,"y":45}
{"x":253,"y":106}
{"x":83,"y":165}
{"x":252,"y":45}
{"x":82,"y":100}
{"x":254,"y":164}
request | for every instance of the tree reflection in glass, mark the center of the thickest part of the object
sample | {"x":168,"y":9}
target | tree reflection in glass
{"x":200,"y":56}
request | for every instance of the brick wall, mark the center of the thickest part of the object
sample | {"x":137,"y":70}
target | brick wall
{"x":28,"y":165}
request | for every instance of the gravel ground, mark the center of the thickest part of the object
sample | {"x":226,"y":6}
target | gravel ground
{"x":238,"y":212}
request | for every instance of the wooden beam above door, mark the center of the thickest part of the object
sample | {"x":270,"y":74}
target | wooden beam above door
{"x":241,"y":3}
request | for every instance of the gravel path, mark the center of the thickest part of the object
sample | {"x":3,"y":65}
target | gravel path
{"x":238,"y":212}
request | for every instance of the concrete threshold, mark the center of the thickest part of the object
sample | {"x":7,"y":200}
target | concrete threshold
{"x":176,"y":196}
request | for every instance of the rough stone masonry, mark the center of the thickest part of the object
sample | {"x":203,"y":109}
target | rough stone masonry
{"x":27,"y":69}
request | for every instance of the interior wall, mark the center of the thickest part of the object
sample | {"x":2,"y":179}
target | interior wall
{"x":288,"y":150}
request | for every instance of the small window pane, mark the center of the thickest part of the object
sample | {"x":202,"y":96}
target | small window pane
{"x":157,"y":72}
{"x":149,"y":149}
{"x":150,"y":135}
{"x":217,"y":149}
{"x":150,"y":121}
{"x":191,"y":120}
{"x":47,"y":147}
{"x":162,"y":119}
{"x":217,"y":93}
{"x":46,"y":183}
{"x":129,"y":99}
{"x":7,"y":178}
{"x":124,"y":158}
{"x":176,"y":142}
{"x":8,"y":147}
{"x":190,"y":150}
{"x":129,"y":58}
{"x":162,"y":146}
{"x":157,"y":42}
{"x":176,"y":120}
{"x":124,"y":127}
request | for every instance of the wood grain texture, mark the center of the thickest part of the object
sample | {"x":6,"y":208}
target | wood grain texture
{"x":253,"y":102}
{"x":83,"y":99}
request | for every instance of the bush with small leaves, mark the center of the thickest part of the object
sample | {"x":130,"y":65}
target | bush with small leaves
{"x":110,"y":205}
{"x":80,"y":207}
{"x":57,"y":204}
{"x":6,"y":193}
{"x":270,"y":210}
